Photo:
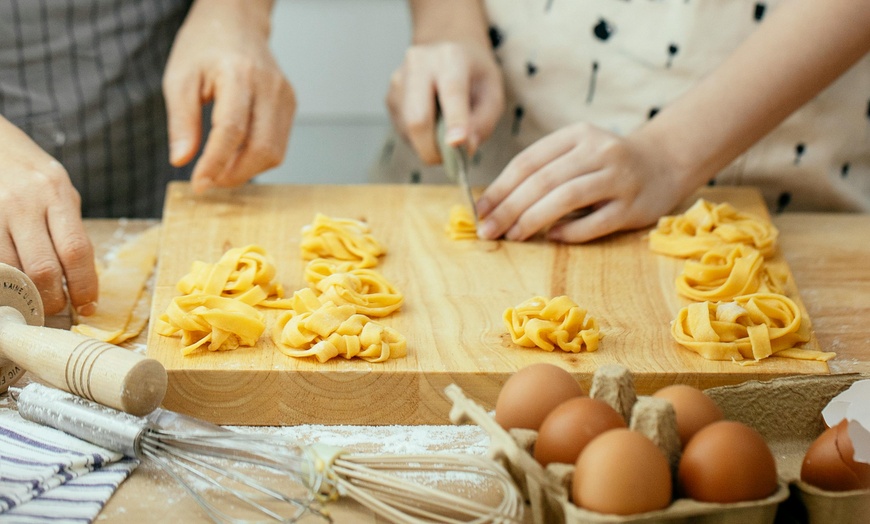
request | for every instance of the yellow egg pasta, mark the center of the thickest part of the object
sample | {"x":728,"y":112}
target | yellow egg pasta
{"x":342,"y":239}
{"x":331,"y":331}
{"x":752,"y":326}
{"x":460,"y":225}
{"x":365,"y":289}
{"x":216,"y":309}
{"x":707,"y":225}
{"x":246,"y":273}
{"x":727,"y":271}
{"x":548,"y":324}
{"x":123,"y":307}
{"x":210,"y":321}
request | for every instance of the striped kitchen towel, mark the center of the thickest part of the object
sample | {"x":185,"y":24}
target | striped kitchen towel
{"x":47,"y":475}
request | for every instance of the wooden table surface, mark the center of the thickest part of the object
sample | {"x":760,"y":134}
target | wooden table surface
{"x":829,"y":256}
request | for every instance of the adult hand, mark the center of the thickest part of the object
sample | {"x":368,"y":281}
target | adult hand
{"x":41,"y":230}
{"x":615,"y":184}
{"x":463,"y":79}
{"x":221,"y":54}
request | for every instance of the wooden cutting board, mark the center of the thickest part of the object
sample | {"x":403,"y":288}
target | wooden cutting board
{"x":455,"y":295}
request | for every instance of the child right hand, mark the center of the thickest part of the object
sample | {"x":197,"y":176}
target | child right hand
{"x":461,"y":79}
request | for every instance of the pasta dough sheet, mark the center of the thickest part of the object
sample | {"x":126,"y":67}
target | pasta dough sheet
{"x":123,"y":307}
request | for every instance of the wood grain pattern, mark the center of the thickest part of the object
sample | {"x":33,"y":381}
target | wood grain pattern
{"x":456,"y":292}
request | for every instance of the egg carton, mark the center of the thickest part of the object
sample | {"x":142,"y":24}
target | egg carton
{"x":787,"y":413}
{"x":780,"y":411}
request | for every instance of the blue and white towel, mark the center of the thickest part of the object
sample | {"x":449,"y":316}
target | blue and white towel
{"x":47,"y":475}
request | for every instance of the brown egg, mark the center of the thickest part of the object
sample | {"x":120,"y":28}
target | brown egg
{"x":570,"y":426}
{"x":727,"y":462}
{"x":693,"y":407}
{"x":531,"y":393}
{"x":621,"y":472}
{"x":829,"y":463}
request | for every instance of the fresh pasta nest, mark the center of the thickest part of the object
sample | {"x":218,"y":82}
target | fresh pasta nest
{"x":210,"y":321}
{"x":365,"y":289}
{"x":325,"y":330}
{"x":752,"y":326}
{"x":706,"y":225}
{"x":727,"y":271}
{"x":549,"y":324}
{"x":216,"y":310}
{"x":342,"y":239}
{"x":741,"y":309}
{"x":331,"y":318}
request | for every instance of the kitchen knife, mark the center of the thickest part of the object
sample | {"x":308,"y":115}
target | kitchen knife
{"x":455,"y":161}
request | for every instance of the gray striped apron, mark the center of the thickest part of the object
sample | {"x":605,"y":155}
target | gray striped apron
{"x":83,"y":79}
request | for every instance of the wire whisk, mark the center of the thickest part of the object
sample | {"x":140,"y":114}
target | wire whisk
{"x":240,"y":478}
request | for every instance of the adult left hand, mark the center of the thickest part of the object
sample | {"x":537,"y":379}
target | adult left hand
{"x":221,"y":54}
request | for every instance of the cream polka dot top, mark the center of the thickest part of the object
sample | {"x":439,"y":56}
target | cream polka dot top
{"x":616,"y":63}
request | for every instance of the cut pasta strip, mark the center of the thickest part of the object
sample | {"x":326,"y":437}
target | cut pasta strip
{"x":365,"y":289}
{"x":461,"y":224}
{"x":752,"y":326}
{"x":727,"y":271}
{"x":331,"y":331}
{"x":548,"y":324}
{"x":707,"y":225}
{"x":123,"y":306}
{"x":342,"y":239}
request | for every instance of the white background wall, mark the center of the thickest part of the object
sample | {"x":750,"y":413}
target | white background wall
{"x":339,"y":55}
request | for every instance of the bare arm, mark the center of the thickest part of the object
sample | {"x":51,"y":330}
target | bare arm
{"x":797,"y":52}
{"x":456,"y":20}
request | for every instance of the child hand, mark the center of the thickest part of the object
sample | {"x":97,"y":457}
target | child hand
{"x":465,"y":82}
{"x":617,"y":183}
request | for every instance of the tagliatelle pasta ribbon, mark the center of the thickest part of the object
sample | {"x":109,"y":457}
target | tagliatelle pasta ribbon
{"x":330,"y":331}
{"x":365,"y":289}
{"x":220,"y":322}
{"x":548,"y":324}
{"x":725,"y":272}
{"x":752,"y":326}
{"x":217,"y":307}
{"x":342,"y":239}
{"x":460,"y":225}
{"x":243,"y":272}
{"x":707,"y":225}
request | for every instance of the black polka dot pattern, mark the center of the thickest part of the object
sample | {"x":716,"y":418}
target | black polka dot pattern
{"x":495,"y":37}
{"x":604,"y":29}
{"x":783,"y":201}
{"x":760,"y":9}
{"x":518,"y":118}
{"x":799,"y":151}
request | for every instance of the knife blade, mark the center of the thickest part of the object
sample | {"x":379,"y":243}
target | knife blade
{"x":455,"y":161}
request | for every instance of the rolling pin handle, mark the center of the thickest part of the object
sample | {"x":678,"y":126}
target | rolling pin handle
{"x":84,"y":366}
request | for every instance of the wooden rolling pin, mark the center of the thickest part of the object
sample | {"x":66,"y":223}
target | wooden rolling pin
{"x":81,"y":365}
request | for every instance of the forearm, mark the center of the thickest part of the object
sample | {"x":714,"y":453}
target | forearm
{"x":457,"y":20}
{"x":794,"y":54}
{"x":257,"y":13}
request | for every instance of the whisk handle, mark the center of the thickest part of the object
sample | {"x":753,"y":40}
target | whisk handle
{"x":112,"y":429}
{"x":85,"y":366}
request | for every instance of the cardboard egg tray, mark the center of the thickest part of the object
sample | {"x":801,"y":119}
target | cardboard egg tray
{"x":786,"y":411}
